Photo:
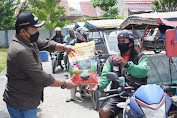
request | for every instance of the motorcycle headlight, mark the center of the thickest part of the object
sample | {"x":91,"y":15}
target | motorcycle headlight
{"x":149,"y":113}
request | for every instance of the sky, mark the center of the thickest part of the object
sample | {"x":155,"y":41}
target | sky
{"x":75,"y":3}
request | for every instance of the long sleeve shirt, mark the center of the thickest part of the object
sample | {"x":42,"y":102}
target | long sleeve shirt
{"x":26,"y":77}
{"x":139,"y":71}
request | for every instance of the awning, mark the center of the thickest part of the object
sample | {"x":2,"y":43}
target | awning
{"x":141,"y":20}
{"x":103,"y":24}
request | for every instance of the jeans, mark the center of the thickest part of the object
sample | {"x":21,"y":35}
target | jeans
{"x":17,"y":113}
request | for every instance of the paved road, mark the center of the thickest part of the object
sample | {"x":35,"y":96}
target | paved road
{"x":54,"y":105}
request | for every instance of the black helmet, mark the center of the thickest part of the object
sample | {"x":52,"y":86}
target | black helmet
{"x":125,"y":34}
{"x":82,"y":33}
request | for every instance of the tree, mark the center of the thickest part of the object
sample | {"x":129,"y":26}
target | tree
{"x":72,"y":9}
{"x":108,"y":6}
{"x":164,"y":5}
{"x":24,"y":7}
{"x":50,"y":11}
{"x":7,"y":14}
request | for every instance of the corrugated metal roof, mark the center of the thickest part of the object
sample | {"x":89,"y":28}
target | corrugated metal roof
{"x":138,"y":1}
{"x":110,"y":23}
{"x":64,"y":3}
{"x":139,"y":8}
{"x":87,"y":8}
{"x":141,"y":20}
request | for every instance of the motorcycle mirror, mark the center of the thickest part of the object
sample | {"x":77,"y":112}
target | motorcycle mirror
{"x":122,"y":105}
{"x":85,"y":76}
{"x":112,"y":76}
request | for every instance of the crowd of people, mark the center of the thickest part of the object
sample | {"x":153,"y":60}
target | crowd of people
{"x":27,"y":79}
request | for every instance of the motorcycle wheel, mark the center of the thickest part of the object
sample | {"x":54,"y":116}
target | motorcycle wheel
{"x":54,"y":64}
{"x":94,"y":99}
{"x":157,"y":51}
{"x":82,"y":90}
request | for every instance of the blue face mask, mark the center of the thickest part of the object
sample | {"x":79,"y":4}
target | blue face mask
{"x":124,"y":47}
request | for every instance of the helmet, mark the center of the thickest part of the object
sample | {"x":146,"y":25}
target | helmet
{"x":125,"y":34}
{"x":57,"y":29}
{"x":82,"y":33}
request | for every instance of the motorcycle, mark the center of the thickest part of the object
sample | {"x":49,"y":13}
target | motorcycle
{"x":57,"y":58}
{"x":148,"y":101}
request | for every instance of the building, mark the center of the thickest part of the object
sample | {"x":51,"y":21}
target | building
{"x":129,"y":7}
{"x":86,"y":9}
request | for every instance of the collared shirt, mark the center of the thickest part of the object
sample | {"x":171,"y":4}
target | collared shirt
{"x":68,"y":39}
{"x":26,"y":78}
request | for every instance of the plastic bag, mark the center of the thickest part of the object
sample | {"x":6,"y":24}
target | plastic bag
{"x":82,"y":63}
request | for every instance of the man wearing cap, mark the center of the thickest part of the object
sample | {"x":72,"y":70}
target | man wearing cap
{"x":26,"y":78}
{"x":131,"y":65}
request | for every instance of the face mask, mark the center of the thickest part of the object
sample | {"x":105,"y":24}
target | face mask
{"x":124,"y":47}
{"x":34,"y":37}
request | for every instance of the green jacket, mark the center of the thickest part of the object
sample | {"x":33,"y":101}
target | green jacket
{"x":139,"y":71}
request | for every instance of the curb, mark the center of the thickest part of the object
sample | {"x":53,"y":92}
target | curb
{"x":3,"y":72}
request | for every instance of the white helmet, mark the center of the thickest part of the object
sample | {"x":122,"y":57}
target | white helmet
{"x":57,"y":29}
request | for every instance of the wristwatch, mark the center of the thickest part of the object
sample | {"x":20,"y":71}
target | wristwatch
{"x":64,"y":85}
{"x":127,"y":65}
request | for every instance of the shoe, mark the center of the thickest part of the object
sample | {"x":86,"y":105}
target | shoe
{"x":61,"y":67}
{"x":70,"y":99}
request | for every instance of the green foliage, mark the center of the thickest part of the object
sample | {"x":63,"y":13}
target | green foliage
{"x":3,"y":58}
{"x":50,"y":11}
{"x":164,"y":5}
{"x":24,"y":7}
{"x":104,"y":4}
{"x":7,"y":14}
{"x":113,"y":12}
{"x":108,"y":6}
{"x":72,"y":9}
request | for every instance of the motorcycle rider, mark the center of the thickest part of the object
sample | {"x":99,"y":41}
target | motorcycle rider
{"x":58,"y":37}
{"x":131,"y":64}
{"x":67,"y":40}
{"x":82,"y":34}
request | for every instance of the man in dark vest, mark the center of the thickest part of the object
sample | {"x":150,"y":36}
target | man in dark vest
{"x":131,"y":64}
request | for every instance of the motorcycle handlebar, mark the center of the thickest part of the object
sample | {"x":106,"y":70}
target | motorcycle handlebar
{"x":166,"y":86}
{"x":172,"y":84}
{"x":119,"y":90}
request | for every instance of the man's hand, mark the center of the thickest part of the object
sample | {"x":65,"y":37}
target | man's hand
{"x":70,"y":84}
{"x":99,"y":51}
{"x":120,"y":60}
{"x":68,"y":48}
{"x":92,"y":87}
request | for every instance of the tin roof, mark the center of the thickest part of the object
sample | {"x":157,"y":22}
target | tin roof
{"x":87,"y":9}
{"x":103,"y":24}
{"x":138,"y":1}
{"x":141,"y":20}
{"x":140,"y":7}
{"x":64,"y":3}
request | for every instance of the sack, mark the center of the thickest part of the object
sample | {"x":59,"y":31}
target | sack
{"x":82,"y":63}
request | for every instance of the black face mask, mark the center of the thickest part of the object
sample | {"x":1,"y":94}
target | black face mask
{"x":124,"y":47}
{"x":34,"y":37}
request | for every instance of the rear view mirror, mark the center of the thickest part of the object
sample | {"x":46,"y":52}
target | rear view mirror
{"x":112,"y":76}
{"x":171,"y":43}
